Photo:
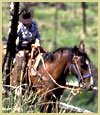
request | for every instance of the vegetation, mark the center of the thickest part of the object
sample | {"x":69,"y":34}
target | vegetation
{"x":69,"y":33}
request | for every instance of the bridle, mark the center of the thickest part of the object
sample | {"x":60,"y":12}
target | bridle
{"x":75,"y":66}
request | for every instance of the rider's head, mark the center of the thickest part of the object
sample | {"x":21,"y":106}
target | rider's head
{"x":26,"y":17}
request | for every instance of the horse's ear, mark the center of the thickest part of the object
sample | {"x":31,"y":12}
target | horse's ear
{"x":75,"y":49}
{"x":82,"y":46}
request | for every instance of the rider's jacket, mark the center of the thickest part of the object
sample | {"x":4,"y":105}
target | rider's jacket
{"x":28,"y":33}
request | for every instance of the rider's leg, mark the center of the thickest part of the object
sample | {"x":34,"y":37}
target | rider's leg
{"x":19,"y":61}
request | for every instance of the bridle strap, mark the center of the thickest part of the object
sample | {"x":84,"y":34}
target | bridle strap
{"x":77,"y":66}
{"x":88,"y":75}
{"x":77,"y":72}
{"x":75,"y":69}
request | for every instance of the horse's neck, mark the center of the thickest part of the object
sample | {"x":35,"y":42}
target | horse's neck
{"x":62,"y":61}
{"x":60,"y":65}
{"x":66,"y":60}
{"x":63,"y":56}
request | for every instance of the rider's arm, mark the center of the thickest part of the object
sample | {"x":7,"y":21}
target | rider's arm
{"x":37,"y":34}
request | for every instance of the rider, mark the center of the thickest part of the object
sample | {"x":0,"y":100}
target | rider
{"x":27,"y":34}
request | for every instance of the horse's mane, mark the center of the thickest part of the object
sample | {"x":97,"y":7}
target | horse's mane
{"x":50,"y":55}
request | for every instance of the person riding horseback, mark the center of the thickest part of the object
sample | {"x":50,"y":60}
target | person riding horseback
{"x":27,"y":31}
{"x":28,"y":35}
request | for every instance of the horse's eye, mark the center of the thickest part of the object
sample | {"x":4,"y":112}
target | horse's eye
{"x":84,"y":66}
{"x":82,"y":59}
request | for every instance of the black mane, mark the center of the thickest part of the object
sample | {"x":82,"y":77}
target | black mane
{"x":50,"y":55}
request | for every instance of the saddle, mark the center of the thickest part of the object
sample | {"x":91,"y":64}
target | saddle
{"x":34,"y":62}
{"x":26,"y":66}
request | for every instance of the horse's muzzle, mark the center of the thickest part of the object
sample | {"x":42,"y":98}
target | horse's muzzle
{"x":88,"y":87}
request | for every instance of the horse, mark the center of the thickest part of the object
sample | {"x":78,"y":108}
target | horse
{"x":54,"y":67}
{"x":58,"y":64}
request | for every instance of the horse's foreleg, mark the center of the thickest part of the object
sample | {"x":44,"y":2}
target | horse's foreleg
{"x":49,"y":104}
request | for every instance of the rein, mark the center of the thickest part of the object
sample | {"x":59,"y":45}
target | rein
{"x":61,"y":86}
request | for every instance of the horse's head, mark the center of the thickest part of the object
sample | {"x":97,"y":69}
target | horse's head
{"x":81,"y":67}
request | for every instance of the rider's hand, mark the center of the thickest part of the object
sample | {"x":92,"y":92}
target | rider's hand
{"x":37,"y":43}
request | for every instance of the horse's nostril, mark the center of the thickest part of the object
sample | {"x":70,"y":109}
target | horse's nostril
{"x":87,"y":87}
{"x":91,"y":87}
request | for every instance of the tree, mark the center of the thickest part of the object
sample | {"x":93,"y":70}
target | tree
{"x":84,"y":16}
{"x":56,"y":25}
{"x":14,"y":11}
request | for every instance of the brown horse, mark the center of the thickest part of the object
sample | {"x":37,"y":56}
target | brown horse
{"x":52,"y":71}
{"x":54,"y":68}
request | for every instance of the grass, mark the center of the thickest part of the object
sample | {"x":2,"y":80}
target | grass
{"x":69,"y":33}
